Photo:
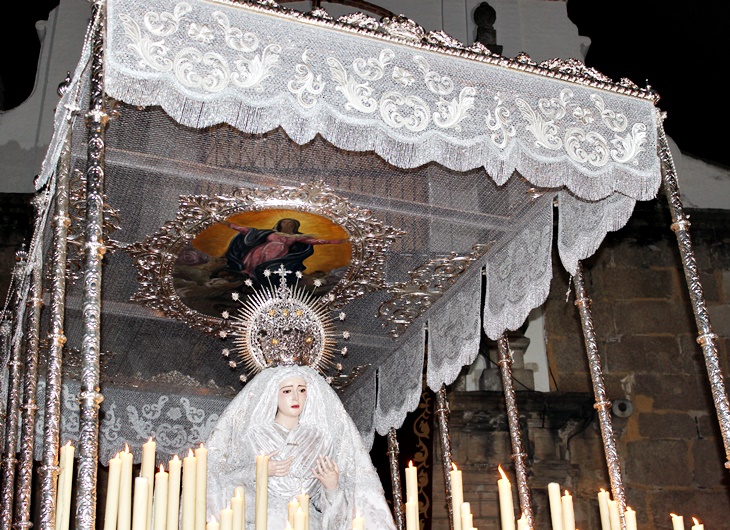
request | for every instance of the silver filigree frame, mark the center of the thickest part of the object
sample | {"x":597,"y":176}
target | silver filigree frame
{"x":155,"y":257}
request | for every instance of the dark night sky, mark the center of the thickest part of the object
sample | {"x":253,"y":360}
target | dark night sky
{"x":679,"y":48}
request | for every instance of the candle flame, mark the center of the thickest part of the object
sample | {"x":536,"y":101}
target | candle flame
{"x":567,"y":494}
{"x":410,"y":463}
{"x":695,"y":520}
{"x":151,"y":438}
{"x":453,"y":466}
{"x":68,"y":444}
{"x":213,"y":519}
{"x":126,"y":448}
{"x":674,"y":515}
{"x":162,"y":468}
{"x":202,"y":444}
{"x":175,"y":457}
{"x":603,"y":491}
{"x":190,"y":453}
{"x":501,"y":472}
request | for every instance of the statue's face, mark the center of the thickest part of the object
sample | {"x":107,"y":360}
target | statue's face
{"x":292,"y":396}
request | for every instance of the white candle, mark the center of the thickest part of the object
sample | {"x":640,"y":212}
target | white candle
{"x":139,"y":511}
{"x":412,"y":514}
{"x":262,"y":492}
{"x":188,"y":494}
{"x":159,"y":519}
{"x":238,"y":505}
{"x":603,"y":497}
{"x":147,"y":470}
{"x":112,"y":493}
{"x":630,"y":516}
{"x":506,"y":507}
{"x":64,"y":492}
{"x":556,"y":508}
{"x":677,"y":522}
{"x":522,"y":523}
{"x":213,"y":524}
{"x":457,"y":495}
{"x":227,"y":518}
{"x":201,"y":486}
{"x":124,"y":520}
{"x":173,"y":493}
{"x":613,"y":515}
{"x":412,"y":482}
{"x":299,"y":519}
{"x":467,"y":521}
{"x":358,"y":523}
{"x":303,"y":500}
{"x":697,"y":525}
{"x":292,"y":508}
{"x":568,"y":515}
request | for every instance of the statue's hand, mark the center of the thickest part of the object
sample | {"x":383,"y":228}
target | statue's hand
{"x":279,"y":468}
{"x":326,"y":472}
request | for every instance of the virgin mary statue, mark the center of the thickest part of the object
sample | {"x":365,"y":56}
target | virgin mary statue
{"x":292,"y":414}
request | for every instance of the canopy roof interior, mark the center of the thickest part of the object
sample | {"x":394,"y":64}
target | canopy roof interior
{"x":443,"y":164}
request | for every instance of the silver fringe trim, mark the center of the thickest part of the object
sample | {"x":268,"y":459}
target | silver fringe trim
{"x":442,"y":416}
{"x":393,"y":452}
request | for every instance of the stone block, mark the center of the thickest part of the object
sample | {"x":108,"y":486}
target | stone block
{"x":720,"y":318}
{"x":627,"y":283}
{"x":679,"y":392}
{"x":654,"y":462}
{"x":660,"y":253}
{"x":642,"y":353}
{"x":691,"y":359}
{"x":709,"y":459}
{"x":649,"y":317}
{"x":667,"y":426}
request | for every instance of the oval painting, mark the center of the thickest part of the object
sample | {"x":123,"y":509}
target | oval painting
{"x":220,"y":259}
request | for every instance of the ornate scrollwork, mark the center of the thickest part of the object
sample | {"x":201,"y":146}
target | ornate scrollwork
{"x":156,"y":256}
{"x":427,"y":284}
{"x":359,"y":20}
{"x":441,"y":38}
{"x":403,"y":28}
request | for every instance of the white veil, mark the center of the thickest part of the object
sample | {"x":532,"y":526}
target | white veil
{"x":232,"y":448}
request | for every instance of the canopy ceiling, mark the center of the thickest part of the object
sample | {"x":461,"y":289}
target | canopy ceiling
{"x":462,"y":152}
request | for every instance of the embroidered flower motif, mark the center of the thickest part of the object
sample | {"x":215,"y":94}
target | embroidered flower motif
{"x":344,"y":351}
{"x":174,"y":413}
{"x":232,"y":364}
{"x":329,"y":380}
{"x":331,"y":297}
{"x":298,"y":274}
{"x":267,"y":273}
{"x":243,"y":378}
{"x":403,"y":77}
{"x":226,"y":352}
{"x":200,"y":33}
{"x":318,"y":283}
{"x":338,"y":366}
{"x":222,"y":334}
{"x":345,"y":335}
{"x":235,"y":296}
{"x":225,"y":314}
{"x":342,"y":316}
{"x":583,"y":115}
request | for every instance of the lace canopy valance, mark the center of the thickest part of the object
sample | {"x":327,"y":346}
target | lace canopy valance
{"x":464,"y":153}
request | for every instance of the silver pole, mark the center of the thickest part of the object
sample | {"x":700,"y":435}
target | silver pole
{"x":90,"y":397}
{"x":706,"y":338}
{"x":513,"y":420}
{"x":602,"y":405}
{"x":442,"y":416}
{"x":393,"y":452}
{"x":52,"y":418}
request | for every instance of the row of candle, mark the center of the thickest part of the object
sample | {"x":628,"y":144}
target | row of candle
{"x":233,"y":517}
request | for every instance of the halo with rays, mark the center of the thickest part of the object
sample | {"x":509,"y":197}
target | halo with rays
{"x":281,"y":325}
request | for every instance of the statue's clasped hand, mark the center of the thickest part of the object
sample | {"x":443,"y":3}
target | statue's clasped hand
{"x":279,"y":468}
{"x":326,"y":472}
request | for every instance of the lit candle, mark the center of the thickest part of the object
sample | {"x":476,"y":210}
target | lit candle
{"x":299,"y":519}
{"x":630,"y":516}
{"x":112,"y":493}
{"x":238,"y":505}
{"x":412,"y":514}
{"x":188,"y":494}
{"x":65,"y":481}
{"x":412,"y":482}
{"x":227,"y":518}
{"x":159,"y":520}
{"x":613,"y":515}
{"x":139,"y":511}
{"x":697,"y":525}
{"x":522,"y":523}
{"x":677,"y":522}
{"x":568,"y":515}
{"x":147,"y":470}
{"x":467,"y":521}
{"x":556,"y":508}
{"x":173,"y":494}
{"x":124,"y":519}
{"x":201,"y":486}
{"x":358,"y":523}
{"x":506,"y":508}
{"x":262,"y":492}
{"x":457,"y":495}
{"x":292,"y":508}
{"x":303,"y":500}
{"x":603,"y":497}
{"x":213,"y":524}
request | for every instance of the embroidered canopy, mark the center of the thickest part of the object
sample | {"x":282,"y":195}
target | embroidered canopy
{"x":451,"y":157}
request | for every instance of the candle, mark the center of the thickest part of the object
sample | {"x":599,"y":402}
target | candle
{"x":613,"y":515}
{"x":262,"y":492}
{"x":65,"y":481}
{"x":457,"y":495}
{"x":412,"y":514}
{"x":159,"y":520}
{"x":358,"y":523}
{"x":147,"y":470}
{"x":522,"y":523}
{"x":173,"y":493}
{"x":303,"y":500}
{"x":630,"y":516}
{"x":188,"y":494}
{"x":292,"y":508}
{"x":677,"y":522}
{"x":201,"y":486}
{"x":238,"y":505}
{"x":568,"y":515}
{"x":299,"y":519}
{"x":556,"y":508}
{"x":412,"y":482}
{"x":697,"y":525}
{"x":213,"y":524}
{"x":227,"y":518}
{"x":139,"y":512}
{"x":112,"y":493}
{"x":506,"y":508}
{"x":467,"y":521}
{"x":124,"y":519}
{"x":603,"y":497}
